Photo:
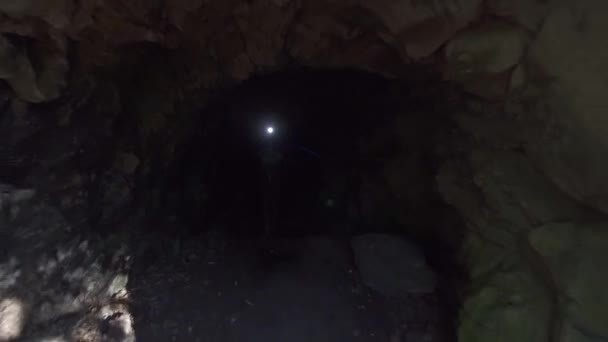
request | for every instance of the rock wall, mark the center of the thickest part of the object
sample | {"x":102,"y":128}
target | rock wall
{"x":523,"y":182}
{"x":98,"y":96}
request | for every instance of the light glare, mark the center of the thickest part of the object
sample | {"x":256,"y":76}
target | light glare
{"x":270,"y":130}
{"x":12,"y":319}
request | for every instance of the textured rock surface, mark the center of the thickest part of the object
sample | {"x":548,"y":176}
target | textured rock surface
{"x":392,"y":266}
{"x":482,"y":58}
{"x":579,"y":277}
{"x":101,"y":95}
{"x":572,"y":151}
{"x":551,"y":128}
{"x":36,"y":71}
{"x":55,"y":284}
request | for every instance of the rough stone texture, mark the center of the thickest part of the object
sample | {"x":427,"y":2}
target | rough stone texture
{"x":491,"y":48}
{"x":54,"y":284}
{"x":572,"y":67}
{"x":254,"y":36}
{"x":422,"y":27}
{"x":518,"y":168}
{"x":37,"y":80}
{"x":512,"y":306}
{"x":517,"y":289}
{"x":579,"y":277}
{"x":523,"y":13}
{"x":391,"y":265}
{"x":482,"y":58}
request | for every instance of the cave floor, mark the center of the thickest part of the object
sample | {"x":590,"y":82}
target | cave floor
{"x":275,"y":289}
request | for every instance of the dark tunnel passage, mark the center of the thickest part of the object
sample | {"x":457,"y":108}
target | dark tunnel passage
{"x":303,"y":171}
{"x":352,"y":173}
{"x":325,"y":124}
{"x":303,"y":208}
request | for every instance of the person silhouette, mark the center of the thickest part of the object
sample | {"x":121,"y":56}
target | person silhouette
{"x":270,"y":156}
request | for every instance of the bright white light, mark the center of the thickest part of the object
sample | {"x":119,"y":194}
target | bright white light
{"x":270,"y":130}
{"x":12,"y":319}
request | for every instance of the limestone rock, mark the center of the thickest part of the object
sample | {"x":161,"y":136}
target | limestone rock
{"x":399,"y":15}
{"x":16,"y":7}
{"x":41,"y":83}
{"x":576,"y":253}
{"x":481,"y":58}
{"x":491,"y":48}
{"x":52,"y":274}
{"x":422,"y":27}
{"x":516,"y":192}
{"x":391,"y":265}
{"x":55,"y":12}
{"x":503,"y":197}
{"x":511,"y":306}
{"x":527,"y":14}
{"x":264,"y":25}
{"x":570,"y":75}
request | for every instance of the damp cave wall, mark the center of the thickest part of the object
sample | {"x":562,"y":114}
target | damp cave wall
{"x":528,"y":180}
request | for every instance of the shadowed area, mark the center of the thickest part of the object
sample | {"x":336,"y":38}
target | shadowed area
{"x":303,"y":170}
{"x":300,"y":280}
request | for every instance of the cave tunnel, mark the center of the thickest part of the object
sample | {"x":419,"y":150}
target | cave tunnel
{"x":332,"y":133}
{"x":322,"y":121}
{"x":303,"y":171}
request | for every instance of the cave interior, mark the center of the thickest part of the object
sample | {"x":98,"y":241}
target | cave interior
{"x":274,"y":170}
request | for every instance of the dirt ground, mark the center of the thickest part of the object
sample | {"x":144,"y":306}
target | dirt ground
{"x":271,"y":289}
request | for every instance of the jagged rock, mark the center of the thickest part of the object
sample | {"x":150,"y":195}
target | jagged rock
{"x":263,"y":26}
{"x":55,"y":276}
{"x":55,"y":12}
{"x":421,"y":28}
{"x":16,"y":7}
{"x":568,"y":79}
{"x":391,"y":265}
{"x":482,"y":57}
{"x":517,"y":193}
{"x":503,"y":197}
{"x":41,"y":83}
{"x":527,"y":14}
{"x":576,"y":253}
{"x":510,"y":305}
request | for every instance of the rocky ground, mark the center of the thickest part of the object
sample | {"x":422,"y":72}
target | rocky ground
{"x":297,"y":289}
{"x":101,"y":97}
{"x":60,"y":286}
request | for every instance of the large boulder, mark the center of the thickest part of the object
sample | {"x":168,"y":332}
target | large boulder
{"x":482,"y":58}
{"x":391,"y":265}
{"x":55,"y":282}
{"x":522,"y":289}
{"x":511,"y":306}
{"x":568,"y":64}
{"x":36,"y":71}
{"x":576,"y":255}
{"x":418,"y":29}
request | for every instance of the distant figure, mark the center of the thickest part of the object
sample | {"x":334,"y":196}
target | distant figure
{"x":270,"y":157}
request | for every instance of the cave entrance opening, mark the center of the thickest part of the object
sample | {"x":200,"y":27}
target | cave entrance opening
{"x":358,"y":245}
{"x":337,"y":139}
